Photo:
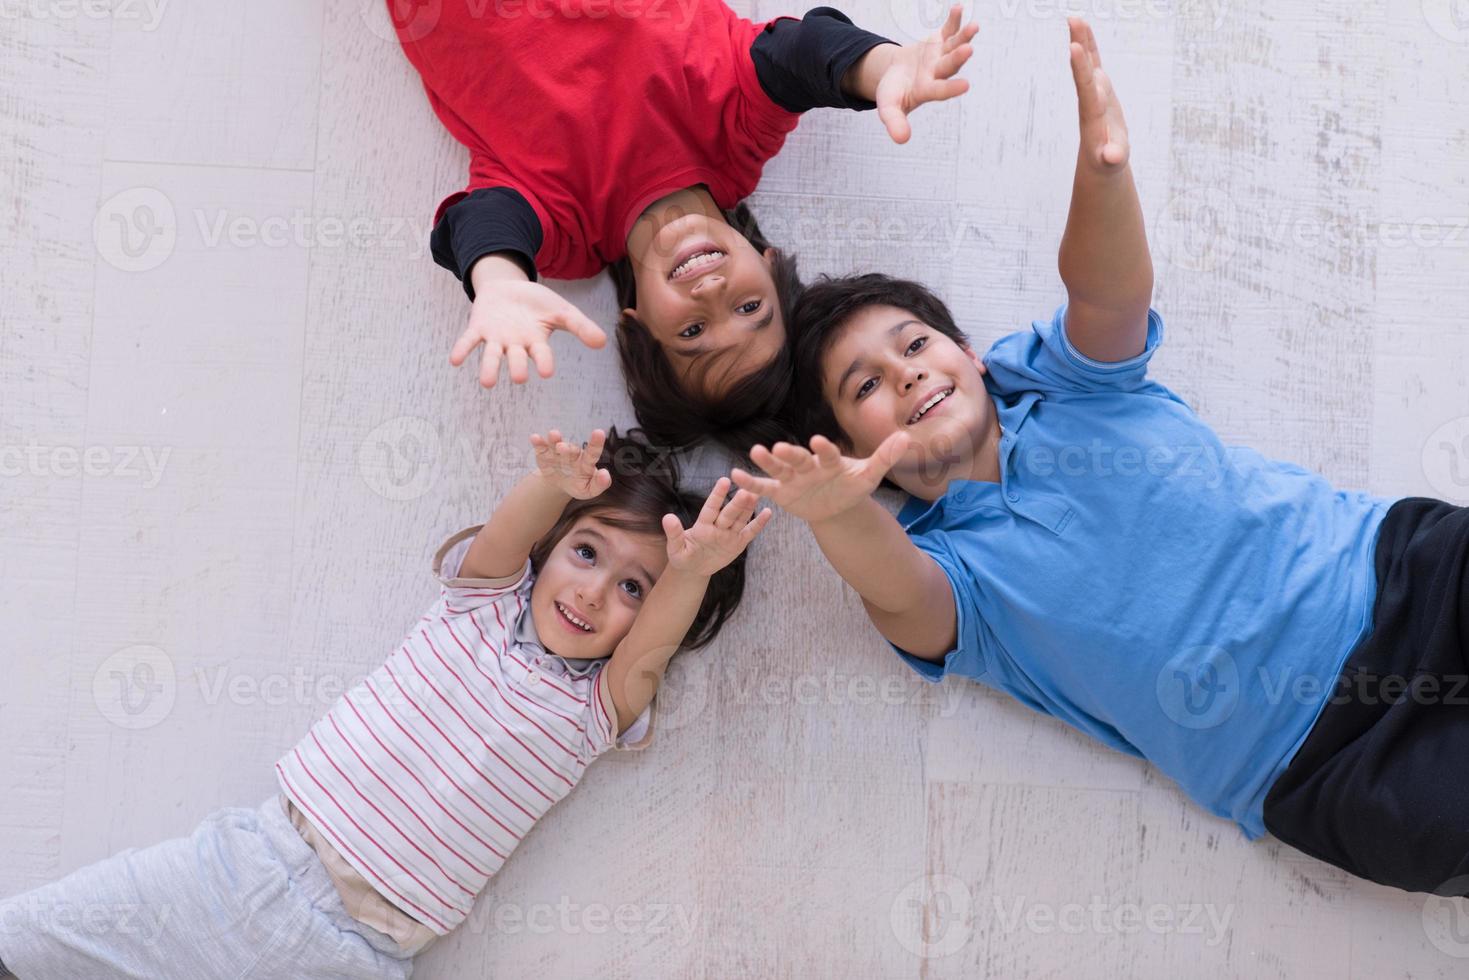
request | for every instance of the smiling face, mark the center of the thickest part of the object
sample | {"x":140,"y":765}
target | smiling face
{"x":591,"y":586}
{"x":887,"y":371}
{"x":707,"y":296}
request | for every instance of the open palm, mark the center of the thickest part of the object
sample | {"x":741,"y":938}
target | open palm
{"x":721,"y":531}
{"x":819,"y":483}
{"x":570,"y":468}
{"x":924,"y":72}
{"x":1104,"y":141}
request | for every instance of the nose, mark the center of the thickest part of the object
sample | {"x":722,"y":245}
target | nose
{"x":713,"y":282}
{"x":591,"y":591}
{"x":912,"y":375}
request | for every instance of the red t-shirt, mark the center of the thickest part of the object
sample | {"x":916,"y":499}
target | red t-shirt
{"x":594,"y":109}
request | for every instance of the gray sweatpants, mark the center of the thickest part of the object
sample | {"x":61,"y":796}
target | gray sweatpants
{"x":243,"y":896}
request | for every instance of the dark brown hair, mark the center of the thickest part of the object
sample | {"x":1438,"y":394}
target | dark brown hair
{"x":749,"y":411}
{"x":823,"y":310}
{"x":644,"y":488}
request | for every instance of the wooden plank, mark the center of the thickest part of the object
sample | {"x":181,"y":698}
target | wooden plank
{"x":53,"y":79}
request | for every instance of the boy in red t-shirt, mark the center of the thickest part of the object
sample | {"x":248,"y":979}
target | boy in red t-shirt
{"x":625,"y":133}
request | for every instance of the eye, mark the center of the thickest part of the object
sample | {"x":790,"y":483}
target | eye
{"x":913,"y":348}
{"x":866,"y":386}
{"x":585,"y":552}
{"x":691,"y":331}
{"x":633,"y":588}
{"x":749,"y":309}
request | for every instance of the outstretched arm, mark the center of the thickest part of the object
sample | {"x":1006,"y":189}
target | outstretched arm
{"x":721,"y":532}
{"x":1104,"y":256}
{"x":825,"y":60}
{"x":487,"y":221}
{"x":514,"y":319}
{"x":900,"y":79}
{"x":905,"y":592}
{"x":489,"y":239}
{"x":563,"y":472}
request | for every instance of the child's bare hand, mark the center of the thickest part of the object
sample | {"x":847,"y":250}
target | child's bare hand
{"x":820,"y":483}
{"x":924,"y":72}
{"x":515,"y":320}
{"x":720,"y":533}
{"x":572,"y":469}
{"x":1104,"y":142}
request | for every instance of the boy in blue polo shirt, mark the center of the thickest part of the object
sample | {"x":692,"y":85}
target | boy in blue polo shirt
{"x":1078,"y":538}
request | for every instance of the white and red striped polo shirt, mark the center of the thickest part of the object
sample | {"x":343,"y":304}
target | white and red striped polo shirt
{"x":427,"y":774}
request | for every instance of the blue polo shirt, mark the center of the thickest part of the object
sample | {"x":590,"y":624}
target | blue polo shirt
{"x":1175,"y":598}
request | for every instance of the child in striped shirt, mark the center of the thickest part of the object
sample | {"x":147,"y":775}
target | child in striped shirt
{"x":553,"y":627}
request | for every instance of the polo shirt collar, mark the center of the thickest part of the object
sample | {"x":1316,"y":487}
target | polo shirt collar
{"x":528,"y":639}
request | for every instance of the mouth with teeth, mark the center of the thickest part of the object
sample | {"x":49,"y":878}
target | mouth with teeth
{"x":930,"y":403}
{"x":695,"y":261}
{"x":571,"y":621}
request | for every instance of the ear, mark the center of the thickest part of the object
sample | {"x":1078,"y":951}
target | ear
{"x":978,"y":361}
{"x":629,"y":311}
{"x":769,"y":256}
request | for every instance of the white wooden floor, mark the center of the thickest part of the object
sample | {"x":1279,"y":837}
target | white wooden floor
{"x":230,"y":441}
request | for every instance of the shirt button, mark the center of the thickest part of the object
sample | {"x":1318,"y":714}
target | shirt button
{"x":1012,"y":496}
{"x":531,"y":677}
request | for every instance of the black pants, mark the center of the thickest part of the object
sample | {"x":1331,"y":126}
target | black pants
{"x":1380,"y":787}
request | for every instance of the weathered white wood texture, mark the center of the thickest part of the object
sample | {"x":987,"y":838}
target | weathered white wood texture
{"x":232,"y":440}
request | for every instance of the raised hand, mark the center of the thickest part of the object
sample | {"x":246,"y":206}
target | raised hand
{"x":720,"y":533}
{"x":514,"y":319}
{"x":820,"y":483}
{"x":923,"y":72}
{"x":1104,"y":142}
{"x":570,"y":468}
